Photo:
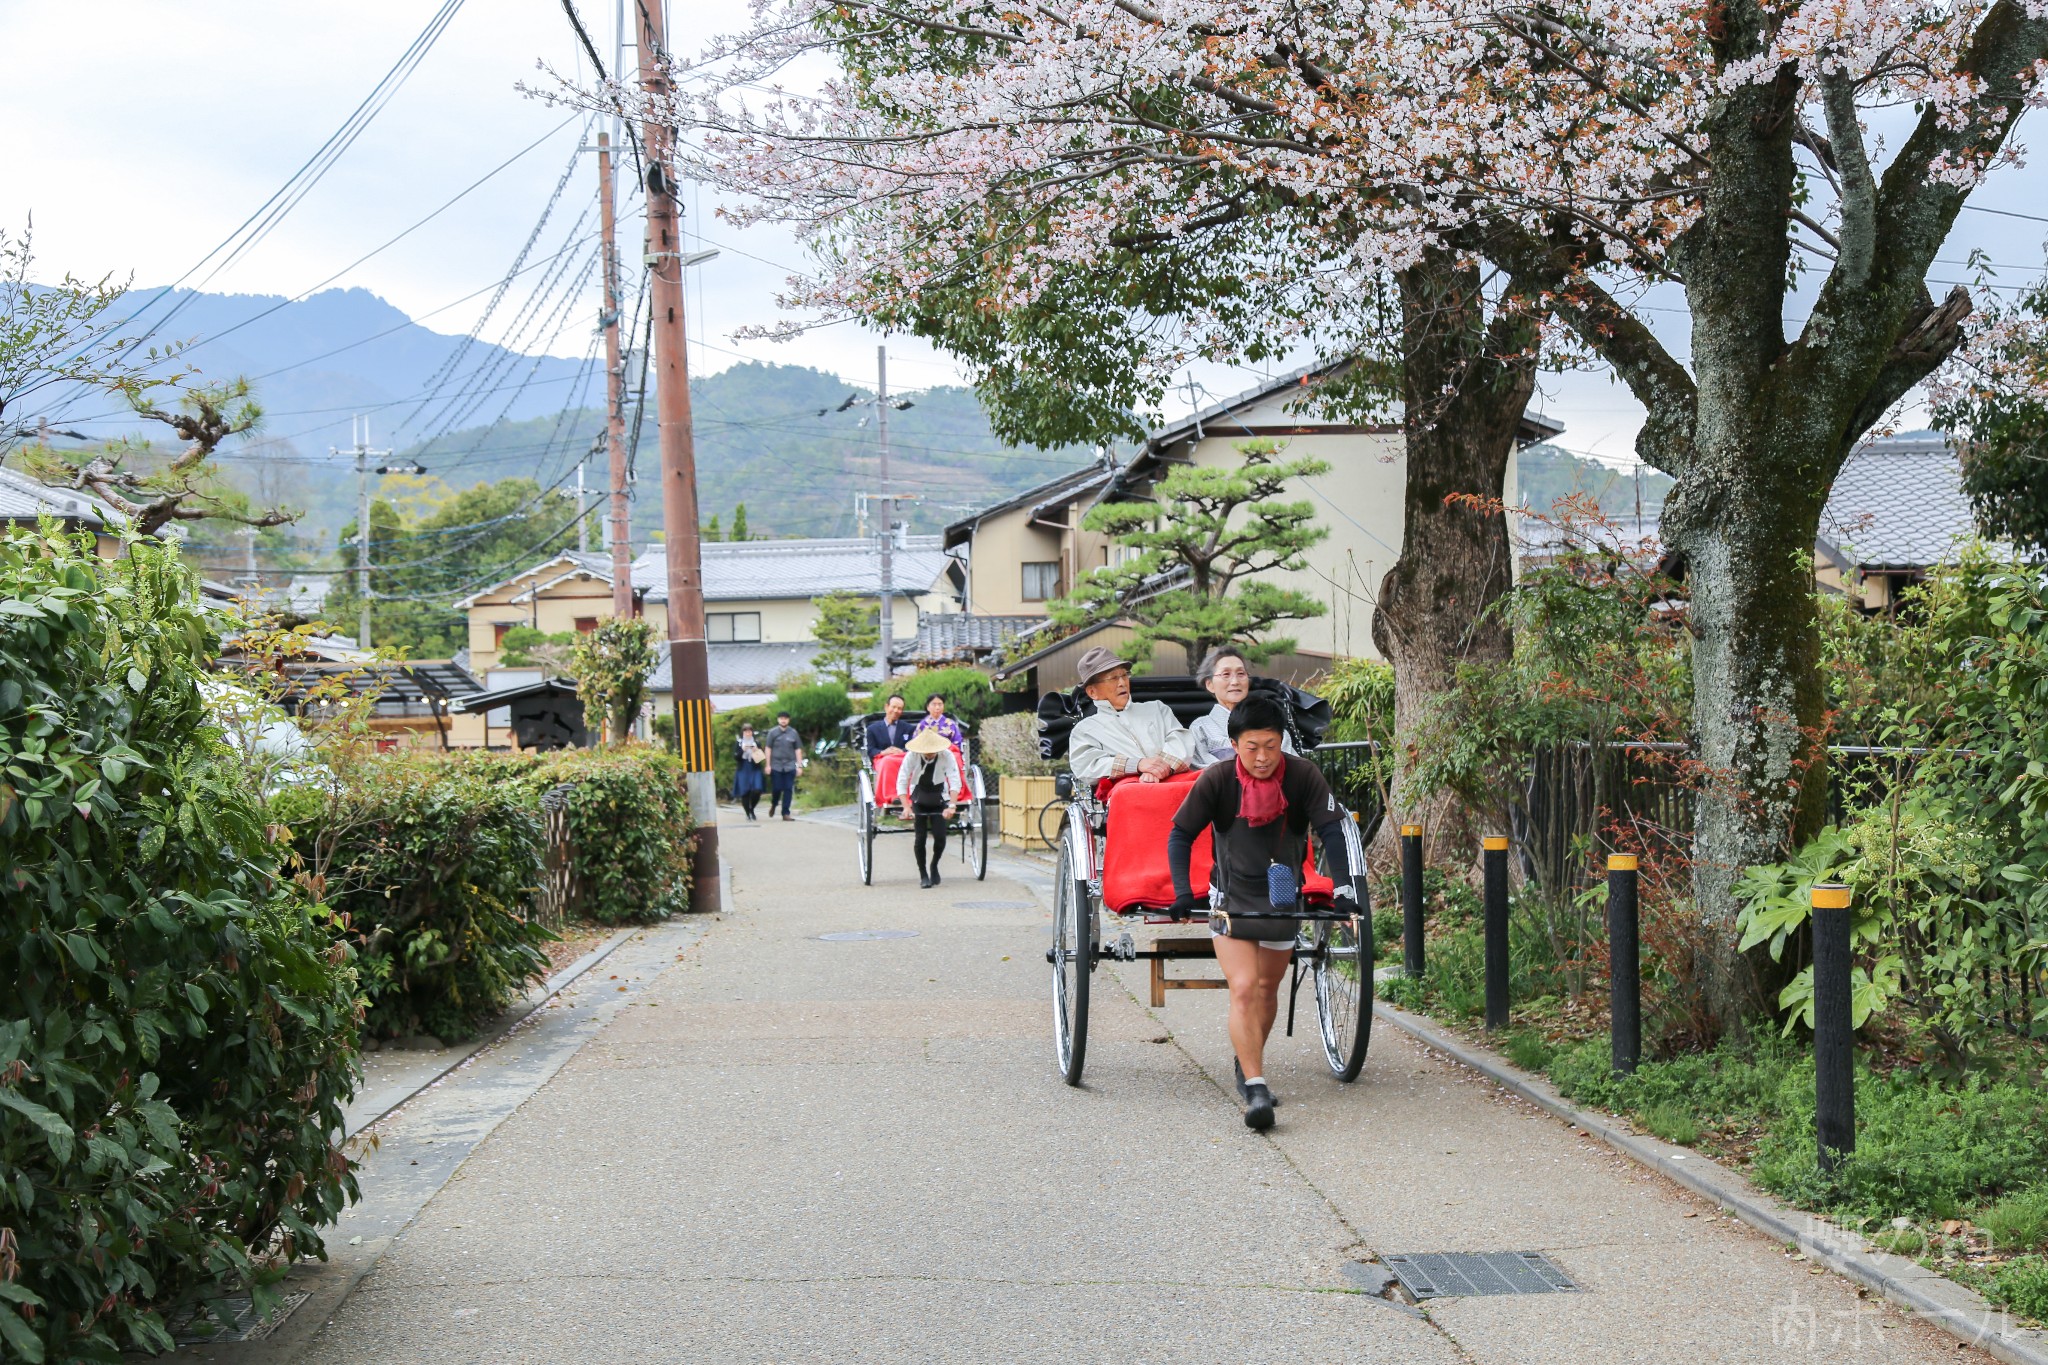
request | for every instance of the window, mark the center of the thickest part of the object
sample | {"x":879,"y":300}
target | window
{"x":733,"y":627}
{"x":585,"y":624}
{"x":498,"y":629}
{"x":1042,"y":581}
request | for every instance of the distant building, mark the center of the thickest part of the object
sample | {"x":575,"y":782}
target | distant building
{"x":1896,"y":512}
{"x":760,"y":602}
{"x":1026,"y":550}
{"x":25,"y":502}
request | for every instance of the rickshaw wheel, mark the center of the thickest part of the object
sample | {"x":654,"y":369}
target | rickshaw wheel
{"x":974,"y":842}
{"x":1073,"y":951}
{"x":1343,"y":974}
{"x":865,"y":833}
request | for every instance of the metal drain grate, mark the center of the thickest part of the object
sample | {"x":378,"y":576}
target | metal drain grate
{"x":1462,"y":1274}
{"x":991,"y":905}
{"x":202,"y":1329}
{"x":865,"y":935}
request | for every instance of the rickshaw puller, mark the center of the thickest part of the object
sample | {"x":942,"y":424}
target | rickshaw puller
{"x":924,"y":792}
{"x":1261,"y":806}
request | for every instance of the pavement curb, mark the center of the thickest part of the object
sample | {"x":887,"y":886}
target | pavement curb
{"x":1956,"y":1309}
{"x":553,"y":987}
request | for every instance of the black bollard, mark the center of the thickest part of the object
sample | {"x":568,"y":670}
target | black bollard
{"x":1495,"y":858}
{"x":1411,"y":898}
{"x":1834,"y":1040}
{"x":1624,"y":963}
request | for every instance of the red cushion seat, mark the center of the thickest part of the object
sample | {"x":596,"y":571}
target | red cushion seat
{"x":887,"y":767}
{"x":1135,"y":875}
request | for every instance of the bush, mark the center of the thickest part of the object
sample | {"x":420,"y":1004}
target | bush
{"x":815,"y":710}
{"x":631,"y":838}
{"x":433,"y":867}
{"x":970,"y":699}
{"x":179,"y":1032}
{"x":1361,"y":697}
{"x":2022,"y":1286}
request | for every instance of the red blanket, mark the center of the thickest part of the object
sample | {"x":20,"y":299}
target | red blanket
{"x":1134,"y":871}
{"x":887,"y":766}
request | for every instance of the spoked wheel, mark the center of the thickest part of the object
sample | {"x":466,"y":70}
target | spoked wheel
{"x":865,"y":831}
{"x":1343,"y":957}
{"x":1073,"y":957}
{"x":974,"y":843}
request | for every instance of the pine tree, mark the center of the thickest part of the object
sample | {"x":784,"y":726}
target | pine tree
{"x":847,"y":631}
{"x":1194,"y":538}
{"x":739,"y":523}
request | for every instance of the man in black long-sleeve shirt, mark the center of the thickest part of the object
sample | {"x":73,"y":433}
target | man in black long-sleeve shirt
{"x":1261,"y":806}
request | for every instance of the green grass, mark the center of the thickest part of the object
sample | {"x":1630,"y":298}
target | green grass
{"x":1673,"y":1122}
{"x":2018,"y":1222}
{"x":2022,"y":1286}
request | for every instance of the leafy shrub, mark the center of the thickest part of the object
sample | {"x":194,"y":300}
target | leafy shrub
{"x":970,"y":698}
{"x":2022,"y":1286}
{"x":1386,"y":931}
{"x":179,"y":1031}
{"x":1361,"y":697}
{"x":631,"y":838}
{"x":815,"y":710}
{"x":433,"y":868}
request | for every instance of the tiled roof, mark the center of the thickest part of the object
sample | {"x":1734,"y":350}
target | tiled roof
{"x":24,"y":499}
{"x":950,"y":636}
{"x":1898,"y":503}
{"x":738,"y":571}
{"x":1073,"y":484}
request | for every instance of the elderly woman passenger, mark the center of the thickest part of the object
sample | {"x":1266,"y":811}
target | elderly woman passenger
{"x":1228,"y":677}
{"x":1123,"y":736}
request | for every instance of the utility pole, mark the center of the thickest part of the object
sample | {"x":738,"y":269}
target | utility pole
{"x":359,"y":430}
{"x":614,"y":388}
{"x":888,"y":505}
{"x":688,"y":664}
{"x":582,"y":510}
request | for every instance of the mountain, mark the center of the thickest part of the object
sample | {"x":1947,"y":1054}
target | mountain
{"x":318,"y":362}
{"x":1547,"y":473}
{"x":474,"y":412}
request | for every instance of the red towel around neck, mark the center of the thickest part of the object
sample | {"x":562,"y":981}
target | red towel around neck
{"x":1260,"y":803}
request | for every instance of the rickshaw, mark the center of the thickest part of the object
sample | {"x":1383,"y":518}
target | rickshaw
{"x":877,"y":784}
{"x":1112,"y":876}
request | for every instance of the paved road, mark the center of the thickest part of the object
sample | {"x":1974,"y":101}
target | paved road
{"x":788,"y":1149}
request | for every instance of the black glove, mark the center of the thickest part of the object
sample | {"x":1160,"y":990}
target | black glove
{"x":1187,"y":907}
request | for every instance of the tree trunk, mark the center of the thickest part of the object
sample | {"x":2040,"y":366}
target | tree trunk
{"x":1464,"y":386}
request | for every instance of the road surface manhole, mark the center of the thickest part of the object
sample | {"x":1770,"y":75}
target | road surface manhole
{"x":865,"y":935}
{"x":991,"y":905}
{"x":1463,"y":1274}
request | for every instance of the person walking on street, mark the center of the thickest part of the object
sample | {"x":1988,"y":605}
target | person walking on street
{"x":1261,"y":805}
{"x":785,"y":757}
{"x":889,"y":734}
{"x":935,"y":718}
{"x":746,"y":780}
{"x":924,"y":792}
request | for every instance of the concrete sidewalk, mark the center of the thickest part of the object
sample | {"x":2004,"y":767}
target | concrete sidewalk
{"x":790,"y":1149}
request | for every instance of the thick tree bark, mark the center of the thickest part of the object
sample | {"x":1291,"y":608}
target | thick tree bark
{"x":1465,"y":382}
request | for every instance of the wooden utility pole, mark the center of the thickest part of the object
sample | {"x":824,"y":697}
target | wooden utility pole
{"x":888,"y":507}
{"x":614,"y":388}
{"x":689,"y":668}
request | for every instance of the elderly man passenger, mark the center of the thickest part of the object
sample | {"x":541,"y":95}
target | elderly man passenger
{"x":1123,"y":736}
{"x":1228,"y":677}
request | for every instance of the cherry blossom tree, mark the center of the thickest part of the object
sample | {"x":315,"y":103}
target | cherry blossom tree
{"x":1599,"y":156}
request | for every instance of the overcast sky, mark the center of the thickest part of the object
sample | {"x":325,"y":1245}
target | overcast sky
{"x":141,"y":140}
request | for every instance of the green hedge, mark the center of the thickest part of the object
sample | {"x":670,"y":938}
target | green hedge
{"x":433,"y":869}
{"x":969,"y":697}
{"x":178,"y":1032}
{"x":631,"y":838}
